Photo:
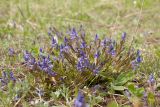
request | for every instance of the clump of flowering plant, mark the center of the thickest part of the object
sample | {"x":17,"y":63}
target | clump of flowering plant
{"x":6,"y":78}
{"x":78,"y":60}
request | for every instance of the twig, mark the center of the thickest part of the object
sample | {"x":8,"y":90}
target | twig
{"x":18,"y":102}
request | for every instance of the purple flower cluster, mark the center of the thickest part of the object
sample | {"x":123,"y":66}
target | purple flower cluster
{"x":54,"y":42}
{"x":11,"y":52}
{"x":151,"y":79}
{"x":97,"y":54}
{"x":6,"y":78}
{"x":76,"y":52}
{"x":139,"y":58}
{"x":83,"y":62}
{"x":93,"y":55}
{"x":73,"y":33}
{"x":137,"y":61}
{"x":44,"y":63}
{"x":30,"y":60}
{"x":111,"y":50}
{"x":80,"y":100}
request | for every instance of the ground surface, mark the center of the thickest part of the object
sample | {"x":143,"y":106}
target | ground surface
{"x":24,"y":25}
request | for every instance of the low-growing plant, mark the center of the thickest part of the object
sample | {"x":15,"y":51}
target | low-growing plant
{"x":71,"y":61}
{"x":77,"y":61}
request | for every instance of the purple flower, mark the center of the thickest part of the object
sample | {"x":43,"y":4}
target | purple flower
{"x":26,"y":55}
{"x":29,"y":60}
{"x":64,"y":48}
{"x":83,"y":62}
{"x":83,"y":44}
{"x":4,"y":75}
{"x":61,"y":47}
{"x":32,"y":61}
{"x":97,"y":54}
{"x":145,"y":99}
{"x":11,"y":52}
{"x":5,"y":79}
{"x":80,"y":100}
{"x":73,"y":33}
{"x":104,"y":42}
{"x":45,"y":62}
{"x":123,"y":36}
{"x":12,"y":76}
{"x":138,"y":52}
{"x":111,"y":50}
{"x":65,"y":40}
{"x":111,"y":47}
{"x":151,"y":79}
{"x":134,"y":65}
{"x":54,"y":42}
{"x":79,"y":66}
{"x":96,"y":70}
{"x":50,"y":31}
{"x":61,"y":50}
{"x":82,"y":53}
{"x":41,"y":50}
{"x":145,"y":94}
{"x":50,"y":72}
{"x":96,"y":38}
{"x":46,"y":65}
{"x":139,"y":59}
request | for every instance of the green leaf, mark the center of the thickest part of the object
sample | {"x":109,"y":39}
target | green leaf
{"x":118,"y":88}
{"x":131,"y":88}
{"x":112,"y":104}
{"x":140,"y":92}
{"x":151,"y":98}
{"x":124,"y":78}
{"x":136,"y":91}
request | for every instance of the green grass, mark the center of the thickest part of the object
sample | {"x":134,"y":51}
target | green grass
{"x":24,"y":25}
